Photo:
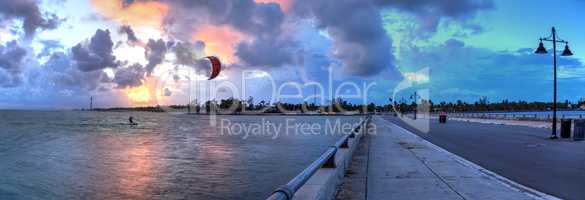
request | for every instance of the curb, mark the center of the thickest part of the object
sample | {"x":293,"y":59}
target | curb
{"x":500,"y":179}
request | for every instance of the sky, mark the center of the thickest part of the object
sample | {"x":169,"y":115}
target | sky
{"x":59,"y":53}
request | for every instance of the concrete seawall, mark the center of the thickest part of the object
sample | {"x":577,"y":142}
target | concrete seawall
{"x":401,"y":165}
{"x":323,"y":184}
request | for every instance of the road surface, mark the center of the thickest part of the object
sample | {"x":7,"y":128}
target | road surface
{"x":522,"y":154}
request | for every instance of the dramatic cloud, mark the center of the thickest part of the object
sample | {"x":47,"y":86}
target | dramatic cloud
{"x":28,"y":11}
{"x":359,"y":39}
{"x":11,"y":59}
{"x":285,"y":5}
{"x":131,"y":76}
{"x":126,"y":29}
{"x":134,"y":12}
{"x":62,"y":73}
{"x":219,"y":41}
{"x":11,"y":56}
{"x":155,"y":53}
{"x":97,"y":54}
{"x":266,"y":52}
{"x":253,"y":32}
{"x":187,"y":53}
{"x":49,"y":46}
{"x":231,"y":28}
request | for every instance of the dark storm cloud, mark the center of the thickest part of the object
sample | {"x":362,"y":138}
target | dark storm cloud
{"x":155,"y":53}
{"x":249,"y":17}
{"x":266,"y":52}
{"x":62,"y":73}
{"x":29,"y":12}
{"x":126,"y":29}
{"x":186,"y":53}
{"x":96,"y":55}
{"x":12,"y":56}
{"x":131,"y":76}
{"x":355,"y":27}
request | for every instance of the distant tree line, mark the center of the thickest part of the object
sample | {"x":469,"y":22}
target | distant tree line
{"x":482,"y":105}
{"x":236,"y":106}
{"x":141,"y":109}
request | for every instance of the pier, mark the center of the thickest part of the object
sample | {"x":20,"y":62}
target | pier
{"x":394,"y":162}
{"x":397,"y":164}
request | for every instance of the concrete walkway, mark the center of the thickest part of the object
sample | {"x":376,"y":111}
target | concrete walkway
{"x":401,"y":165}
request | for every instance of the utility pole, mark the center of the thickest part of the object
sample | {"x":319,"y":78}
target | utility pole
{"x":189,"y":103}
{"x":414,"y":97}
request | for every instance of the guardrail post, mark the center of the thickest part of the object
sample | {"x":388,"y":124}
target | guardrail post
{"x":356,"y":130}
{"x":345,"y":143}
{"x":286,"y":191}
{"x":330,"y":163}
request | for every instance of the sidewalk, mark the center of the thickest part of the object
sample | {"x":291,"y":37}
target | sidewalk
{"x":401,"y":165}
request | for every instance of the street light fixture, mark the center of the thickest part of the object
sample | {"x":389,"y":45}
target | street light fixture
{"x":567,"y":52}
{"x":414,"y":98}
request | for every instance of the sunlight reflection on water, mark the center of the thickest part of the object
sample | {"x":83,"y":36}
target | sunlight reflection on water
{"x":95,"y":155}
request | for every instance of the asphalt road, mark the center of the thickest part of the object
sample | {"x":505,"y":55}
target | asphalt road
{"x":522,"y":154}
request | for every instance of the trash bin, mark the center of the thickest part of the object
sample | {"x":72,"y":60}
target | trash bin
{"x":579,"y":132}
{"x":442,"y":118}
{"x":566,"y":128}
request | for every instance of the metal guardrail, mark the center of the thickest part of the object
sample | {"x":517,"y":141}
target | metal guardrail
{"x":326,"y":160}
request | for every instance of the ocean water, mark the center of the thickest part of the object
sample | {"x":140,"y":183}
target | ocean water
{"x":97,"y":155}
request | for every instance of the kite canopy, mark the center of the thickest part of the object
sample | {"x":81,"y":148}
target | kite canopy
{"x":215,"y":67}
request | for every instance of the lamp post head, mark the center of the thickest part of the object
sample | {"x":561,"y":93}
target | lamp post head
{"x":541,"y":49}
{"x":567,"y":51}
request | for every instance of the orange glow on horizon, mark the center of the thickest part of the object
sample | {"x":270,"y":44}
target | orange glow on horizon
{"x":139,"y":13}
{"x":139,"y":95}
{"x":145,"y":94}
{"x":219,"y":41}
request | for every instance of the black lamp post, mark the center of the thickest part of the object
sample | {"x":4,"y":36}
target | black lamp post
{"x":566,"y":52}
{"x":414,"y":98}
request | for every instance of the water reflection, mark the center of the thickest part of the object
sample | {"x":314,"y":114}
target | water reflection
{"x":86,"y":155}
{"x":138,"y":170}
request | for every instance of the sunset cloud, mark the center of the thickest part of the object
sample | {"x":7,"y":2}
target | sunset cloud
{"x":220,"y":41}
{"x":285,"y":5}
{"x":139,"y":13}
{"x":126,"y":44}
